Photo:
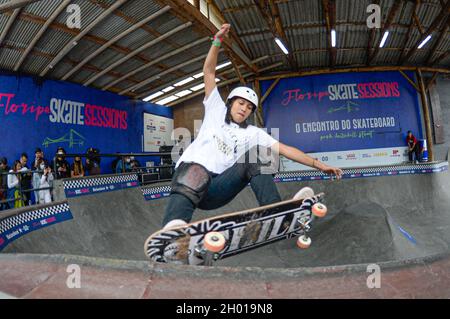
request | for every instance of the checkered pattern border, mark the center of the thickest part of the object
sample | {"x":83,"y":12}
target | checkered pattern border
{"x":156,"y":190}
{"x":13,"y":221}
{"x":280,"y":177}
{"x":368,"y":170}
{"x":99,"y":181}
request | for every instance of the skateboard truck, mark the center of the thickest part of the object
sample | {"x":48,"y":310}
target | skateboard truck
{"x":317,"y":210}
{"x":213,"y":243}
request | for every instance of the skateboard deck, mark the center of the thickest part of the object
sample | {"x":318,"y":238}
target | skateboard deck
{"x":242,"y":231}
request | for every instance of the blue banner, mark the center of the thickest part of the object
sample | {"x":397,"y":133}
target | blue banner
{"x":99,"y":184}
{"x":346,"y":111}
{"x":49,"y":114}
{"x":16,"y":226}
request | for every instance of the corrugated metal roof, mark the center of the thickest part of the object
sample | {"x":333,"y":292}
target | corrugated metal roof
{"x":304,"y":12}
{"x":303,"y":22}
{"x":140,"y":9}
{"x":43,"y":8}
{"x":405,"y":14}
{"x":352,"y":36}
{"x":25,"y":31}
{"x":53,"y":41}
{"x":311,"y":38}
{"x":308,"y":59}
{"x":112,"y":26}
{"x":8,"y":58}
{"x":445,"y":62}
{"x":35,"y":65}
{"x":428,"y":12}
{"x":109,"y":56}
{"x":89,"y":12}
{"x":419,"y":56}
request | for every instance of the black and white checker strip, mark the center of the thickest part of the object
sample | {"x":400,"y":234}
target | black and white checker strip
{"x":13,"y":221}
{"x":99,"y":181}
{"x":368,"y":170}
{"x":156,"y":190}
{"x":349,"y":172}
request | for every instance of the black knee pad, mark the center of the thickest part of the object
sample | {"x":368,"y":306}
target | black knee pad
{"x":191,"y":180}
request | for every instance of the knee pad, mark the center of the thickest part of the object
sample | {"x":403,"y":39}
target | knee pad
{"x":191,"y":180}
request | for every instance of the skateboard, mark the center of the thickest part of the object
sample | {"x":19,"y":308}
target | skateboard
{"x":205,"y":241}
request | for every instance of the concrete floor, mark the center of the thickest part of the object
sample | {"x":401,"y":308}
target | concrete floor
{"x":401,"y":223}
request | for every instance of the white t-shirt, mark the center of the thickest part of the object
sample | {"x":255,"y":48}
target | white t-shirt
{"x":219,"y":145}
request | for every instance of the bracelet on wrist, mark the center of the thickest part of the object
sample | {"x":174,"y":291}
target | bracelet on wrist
{"x":217,"y":41}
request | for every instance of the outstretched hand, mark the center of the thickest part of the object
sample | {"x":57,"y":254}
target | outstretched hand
{"x":333,"y":171}
{"x":224,"y":30}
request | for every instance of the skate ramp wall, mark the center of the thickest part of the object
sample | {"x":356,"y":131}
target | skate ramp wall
{"x":370,"y":220}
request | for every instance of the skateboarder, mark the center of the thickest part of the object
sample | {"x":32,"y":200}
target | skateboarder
{"x":217,"y":165}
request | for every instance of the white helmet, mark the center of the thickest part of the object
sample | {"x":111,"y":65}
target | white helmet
{"x":245,"y":93}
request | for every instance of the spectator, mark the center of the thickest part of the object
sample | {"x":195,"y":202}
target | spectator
{"x":14,"y":185}
{"x":38,"y":166}
{"x":61,"y":166}
{"x":114,"y":163}
{"x":135,"y":165}
{"x":413,"y":147}
{"x":77,"y":169}
{"x":3,"y":182}
{"x":25,"y":181}
{"x":127,"y":162}
{"x":93,"y":161}
{"x":46,"y":181}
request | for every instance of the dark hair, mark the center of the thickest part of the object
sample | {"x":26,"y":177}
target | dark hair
{"x":38,"y":150}
{"x":15,"y":165}
{"x":3,"y":160}
{"x":229,"y":118}
{"x":24,"y":155}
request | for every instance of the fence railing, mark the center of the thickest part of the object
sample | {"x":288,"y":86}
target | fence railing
{"x":146,"y":174}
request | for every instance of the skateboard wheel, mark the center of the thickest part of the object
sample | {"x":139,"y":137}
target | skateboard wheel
{"x":214,"y":242}
{"x":319,"y":210}
{"x":303,"y":242}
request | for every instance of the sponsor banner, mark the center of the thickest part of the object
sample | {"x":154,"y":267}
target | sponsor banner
{"x":49,"y":114}
{"x":161,"y":192}
{"x":157,"y":132}
{"x":25,"y":227}
{"x":343,"y":112}
{"x":89,"y":190}
{"x":389,"y":172}
{"x":352,"y":158}
{"x":156,"y":196}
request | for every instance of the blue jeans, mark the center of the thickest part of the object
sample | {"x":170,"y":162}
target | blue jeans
{"x":222,"y":189}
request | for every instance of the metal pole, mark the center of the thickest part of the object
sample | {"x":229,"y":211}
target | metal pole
{"x":426,"y":115}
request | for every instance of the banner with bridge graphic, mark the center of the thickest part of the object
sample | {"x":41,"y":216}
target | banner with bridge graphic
{"x":345,"y":119}
{"x":49,"y":114}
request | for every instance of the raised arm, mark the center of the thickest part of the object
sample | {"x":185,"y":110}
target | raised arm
{"x":209,"y":68}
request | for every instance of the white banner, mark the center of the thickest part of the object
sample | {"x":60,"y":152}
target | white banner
{"x":157,"y":132}
{"x":356,"y":158}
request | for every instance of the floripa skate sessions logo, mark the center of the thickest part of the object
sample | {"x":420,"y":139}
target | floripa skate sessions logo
{"x":67,"y":112}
